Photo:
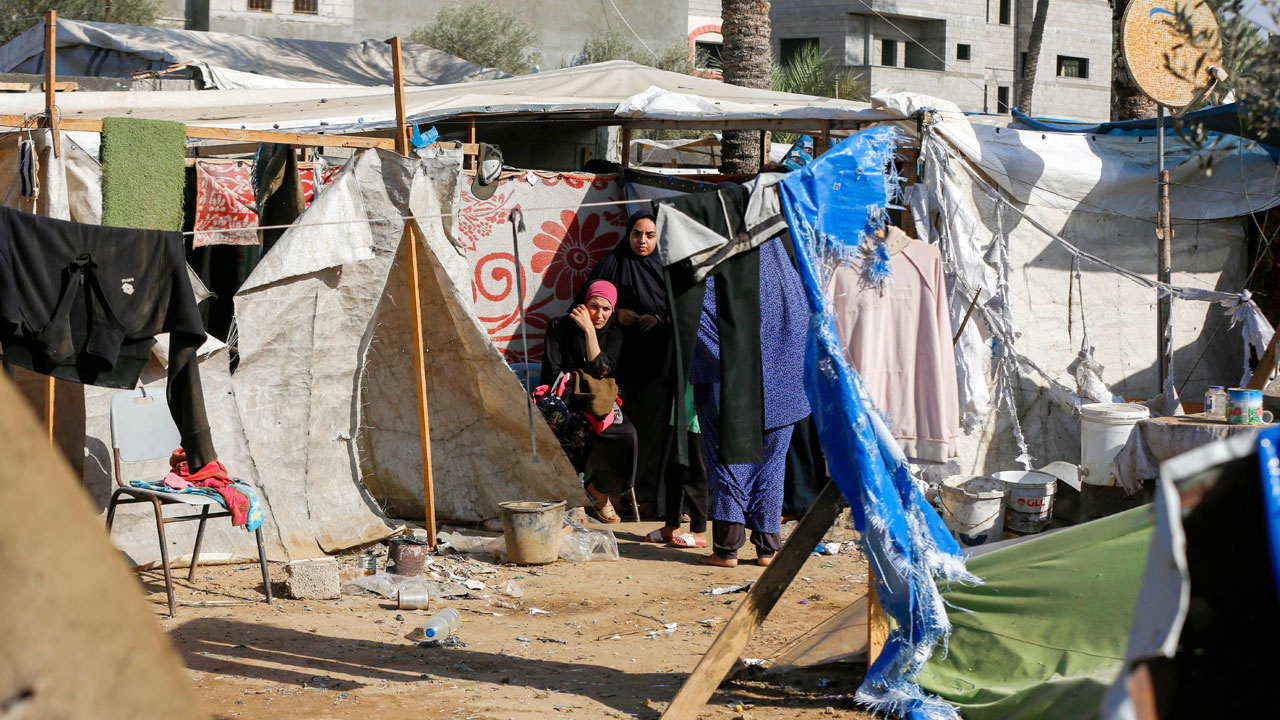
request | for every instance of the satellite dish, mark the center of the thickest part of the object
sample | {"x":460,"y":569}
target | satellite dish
{"x":1171,"y":64}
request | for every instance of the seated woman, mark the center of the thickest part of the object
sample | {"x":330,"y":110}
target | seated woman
{"x":588,"y":341}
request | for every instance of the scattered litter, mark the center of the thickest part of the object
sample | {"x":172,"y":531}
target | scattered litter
{"x":712,"y":621}
{"x":823,"y":682}
{"x":485,"y":612}
{"x":666,"y":630}
{"x":474,"y":544}
{"x":804,"y":602}
{"x":828,"y":548}
{"x":389,"y":585}
{"x":450,"y":642}
{"x":539,"y":611}
{"x":727,"y":590}
{"x":752,"y":662}
{"x":512,"y":589}
{"x":553,"y":640}
{"x":583,"y":544}
{"x":472,"y":584}
{"x":499,"y":602}
{"x":523,"y":639}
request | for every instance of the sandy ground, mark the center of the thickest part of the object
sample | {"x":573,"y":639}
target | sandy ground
{"x":593,"y":656}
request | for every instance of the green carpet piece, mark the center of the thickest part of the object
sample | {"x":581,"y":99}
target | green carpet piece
{"x":1045,"y":635}
{"x":143,"y":173}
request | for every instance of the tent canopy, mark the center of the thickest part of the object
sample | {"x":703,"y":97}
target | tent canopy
{"x":589,"y":92}
{"x":227,"y":61}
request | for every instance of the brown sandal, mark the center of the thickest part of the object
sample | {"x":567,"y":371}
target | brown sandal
{"x":603,"y":511}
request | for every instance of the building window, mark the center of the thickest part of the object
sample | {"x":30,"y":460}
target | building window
{"x":1006,"y":12}
{"x":962,"y":51}
{"x":707,"y":55}
{"x":1073,"y":67}
{"x":888,"y":52}
{"x":1002,"y":99}
{"x":260,"y":5}
{"x":307,"y":7}
{"x":790,"y":47}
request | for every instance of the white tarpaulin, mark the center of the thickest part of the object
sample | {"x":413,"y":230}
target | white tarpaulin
{"x":227,"y":61}
{"x":983,"y":192}
{"x":598,"y":88}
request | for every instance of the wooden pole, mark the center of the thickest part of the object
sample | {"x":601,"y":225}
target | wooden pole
{"x":419,"y":358}
{"x":471,"y":139}
{"x":826,"y":136}
{"x":626,"y":147}
{"x":51,"y":118}
{"x":51,"y":78}
{"x":755,"y":607}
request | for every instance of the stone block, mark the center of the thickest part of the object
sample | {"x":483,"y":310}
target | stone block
{"x":315,"y":579}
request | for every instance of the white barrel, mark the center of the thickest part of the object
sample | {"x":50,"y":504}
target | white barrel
{"x":1104,"y":429}
{"x":973,"y":508}
{"x":1028,"y":499}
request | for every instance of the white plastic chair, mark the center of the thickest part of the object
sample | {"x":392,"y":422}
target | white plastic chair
{"x":142,"y":429}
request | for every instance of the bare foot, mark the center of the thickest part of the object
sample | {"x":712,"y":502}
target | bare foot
{"x":764,"y":561}
{"x":716,"y":560}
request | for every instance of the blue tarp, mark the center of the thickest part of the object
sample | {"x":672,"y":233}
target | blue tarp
{"x":1225,"y":119}
{"x":833,"y":205}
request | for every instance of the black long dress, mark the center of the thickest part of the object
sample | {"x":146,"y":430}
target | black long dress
{"x":609,"y":460}
{"x":643,"y":377}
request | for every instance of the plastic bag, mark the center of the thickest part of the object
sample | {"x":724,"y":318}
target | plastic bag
{"x":478,"y":544}
{"x":583,"y":544}
{"x":388,"y":585}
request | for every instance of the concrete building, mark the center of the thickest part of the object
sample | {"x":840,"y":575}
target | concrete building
{"x":562,"y":26}
{"x":967,"y":51}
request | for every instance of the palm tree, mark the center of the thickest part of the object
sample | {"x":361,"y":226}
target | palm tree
{"x":1033,"y":57}
{"x":747,"y":62}
{"x":1127,"y":101}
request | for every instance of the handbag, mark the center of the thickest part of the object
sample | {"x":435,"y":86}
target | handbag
{"x":597,"y":396}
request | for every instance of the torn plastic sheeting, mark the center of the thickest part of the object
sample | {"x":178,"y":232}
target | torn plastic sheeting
{"x":833,"y":205}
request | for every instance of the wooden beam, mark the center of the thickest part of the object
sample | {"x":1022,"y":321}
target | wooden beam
{"x":877,"y":625}
{"x":51,"y":78}
{"x":198,"y":132}
{"x":15,"y":87}
{"x":68,"y":86}
{"x":51,"y":118}
{"x":728,"y":646}
{"x":626,"y":147}
{"x":419,"y":357}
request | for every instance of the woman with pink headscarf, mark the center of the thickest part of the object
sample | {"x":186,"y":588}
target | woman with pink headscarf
{"x":588,"y":340}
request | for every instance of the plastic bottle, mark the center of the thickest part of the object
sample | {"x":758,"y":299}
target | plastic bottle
{"x":442,"y":624}
{"x":1215,"y":402}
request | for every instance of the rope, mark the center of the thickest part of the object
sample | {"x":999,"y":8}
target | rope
{"x":393,"y":218}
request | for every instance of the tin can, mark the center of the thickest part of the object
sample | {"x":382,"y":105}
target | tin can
{"x":368,"y":564}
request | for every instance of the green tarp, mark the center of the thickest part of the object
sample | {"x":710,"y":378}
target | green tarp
{"x":1045,"y":635}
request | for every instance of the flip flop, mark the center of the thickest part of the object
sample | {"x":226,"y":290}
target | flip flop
{"x":655,"y":537}
{"x":688,"y":540}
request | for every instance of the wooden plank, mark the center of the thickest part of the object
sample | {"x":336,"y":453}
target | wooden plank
{"x":51,"y":119}
{"x":728,"y":646}
{"x":626,"y":147}
{"x":877,"y":624}
{"x":419,"y":358}
{"x":50,"y":79}
{"x":1266,"y":366}
{"x":15,"y":87}
{"x":231,"y":135}
{"x":68,"y":86}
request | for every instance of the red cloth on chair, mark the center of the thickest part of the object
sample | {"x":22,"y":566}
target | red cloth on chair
{"x":213,"y":476}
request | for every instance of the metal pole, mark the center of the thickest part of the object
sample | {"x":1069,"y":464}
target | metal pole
{"x":1164,"y":254}
{"x":517,"y":224}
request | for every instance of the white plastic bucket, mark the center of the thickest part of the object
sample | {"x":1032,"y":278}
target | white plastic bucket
{"x":1028,"y":499}
{"x":973,"y":508}
{"x":1104,"y":429}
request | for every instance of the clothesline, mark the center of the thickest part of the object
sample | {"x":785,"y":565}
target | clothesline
{"x":391,"y":218}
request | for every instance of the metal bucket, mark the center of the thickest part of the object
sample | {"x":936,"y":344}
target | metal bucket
{"x":409,"y":557}
{"x":532,"y":531}
{"x":1029,"y":499}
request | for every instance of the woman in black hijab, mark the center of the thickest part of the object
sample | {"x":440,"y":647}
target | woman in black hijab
{"x":588,"y":340}
{"x":633,"y":267}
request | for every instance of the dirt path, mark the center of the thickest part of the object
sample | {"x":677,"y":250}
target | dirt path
{"x":357,"y":657}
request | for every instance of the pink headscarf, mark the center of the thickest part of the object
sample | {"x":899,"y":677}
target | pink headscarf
{"x":604,"y":289}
